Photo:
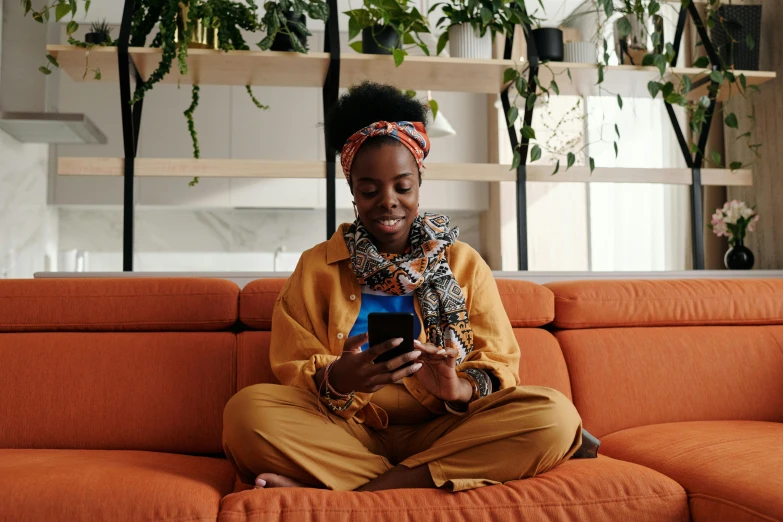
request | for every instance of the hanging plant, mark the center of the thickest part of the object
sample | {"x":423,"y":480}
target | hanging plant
{"x":61,"y":8}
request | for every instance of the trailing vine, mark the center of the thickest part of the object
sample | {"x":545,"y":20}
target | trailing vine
{"x":254,"y":100}
{"x":192,"y":127}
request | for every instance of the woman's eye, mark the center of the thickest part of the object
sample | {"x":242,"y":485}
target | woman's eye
{"x":370,"y":194}
{"x":404,"y":190}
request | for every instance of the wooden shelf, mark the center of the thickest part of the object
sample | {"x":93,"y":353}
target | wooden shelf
{"x":205,"y":66}
{"x":208,"y":67}
{"x":630,"y":81}
{"x":426,"y":73}
{"x":234,"y":168}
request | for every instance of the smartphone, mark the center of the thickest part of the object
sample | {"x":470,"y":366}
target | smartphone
{"x":383,"y":326}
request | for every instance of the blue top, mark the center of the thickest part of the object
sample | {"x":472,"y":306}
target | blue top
{"x":379,"y":302}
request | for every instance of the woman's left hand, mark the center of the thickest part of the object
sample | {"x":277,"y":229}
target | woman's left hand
{"x":438,"y":374}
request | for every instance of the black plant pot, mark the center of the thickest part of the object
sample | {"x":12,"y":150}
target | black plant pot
{"x":380,"y":40}
{"x":739,"y":257}
{"x":97,"y":38}
{"x":549,"y":43}
{"x":282,"y":41}
{"x":739,"y":22}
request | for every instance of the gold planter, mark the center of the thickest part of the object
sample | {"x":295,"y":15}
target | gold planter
{"x":203,"y":37}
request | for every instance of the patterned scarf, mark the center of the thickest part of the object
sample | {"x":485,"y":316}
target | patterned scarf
{"x":423,"y":270}
{"x":410,"y":134}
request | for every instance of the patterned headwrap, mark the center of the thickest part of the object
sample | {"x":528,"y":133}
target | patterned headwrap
{"x":410,"y":134}
{"x":423,"y":270}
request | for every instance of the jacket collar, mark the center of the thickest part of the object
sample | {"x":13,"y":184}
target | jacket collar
{"x":336,"y":249}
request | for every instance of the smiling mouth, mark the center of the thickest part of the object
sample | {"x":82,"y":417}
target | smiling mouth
{"x":389,"y":226}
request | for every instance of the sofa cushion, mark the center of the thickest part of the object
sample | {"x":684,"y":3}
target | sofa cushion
{"x":527,"y":304}
{"x":541,"y":361}
{"x":161,"y":391}
{"x":593,"y":489}
{"x":601,"y":304}
{"x":119,"y":304}
{"x":732,"y":470}
{"x":627,"y":377}
{"x":111,"y":485}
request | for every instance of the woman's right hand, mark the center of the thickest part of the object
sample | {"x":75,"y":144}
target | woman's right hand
{"x":356,"y":371}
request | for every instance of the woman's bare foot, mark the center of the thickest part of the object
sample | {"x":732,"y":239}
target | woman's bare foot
{"x":271,"y":480}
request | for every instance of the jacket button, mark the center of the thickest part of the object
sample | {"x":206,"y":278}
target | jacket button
{"x":353,"y":297}
{"x":340,"y":335}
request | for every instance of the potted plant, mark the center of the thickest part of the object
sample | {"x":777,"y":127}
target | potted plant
{"x":471,"y":25}
{"x":286,"y":23}
{"x":385,"y":26}
{"x":100,"y":34}
{"x":734,"y":221}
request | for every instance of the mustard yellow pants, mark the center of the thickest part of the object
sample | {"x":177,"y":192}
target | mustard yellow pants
{"x":511,"y":434}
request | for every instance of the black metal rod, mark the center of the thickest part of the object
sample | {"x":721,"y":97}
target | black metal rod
{"x":521,"y":185}
{"x":686,"y":151}
{"x":136,"y":112}
{"x":128,"y":135}
{"x":330,"y":92}
{"x":683,"y":17}
{"x":697,"y":229}
{"x":705,"y":38}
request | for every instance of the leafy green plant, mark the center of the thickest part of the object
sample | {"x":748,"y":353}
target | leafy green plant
{"x":61,"y":8}
{"x":495,"y":16}
{"x":402,"y":15}
{"x":102,"y":28}
{"x":276,"y":21}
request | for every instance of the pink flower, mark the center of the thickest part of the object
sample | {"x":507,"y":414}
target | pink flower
{"x":752,"y":224}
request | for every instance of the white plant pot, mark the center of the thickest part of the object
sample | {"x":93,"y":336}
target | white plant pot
{"x":579,"y":52}
{"x":465,"y":42}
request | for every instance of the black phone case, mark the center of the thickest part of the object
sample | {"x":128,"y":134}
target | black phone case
{"x":383,"y":326}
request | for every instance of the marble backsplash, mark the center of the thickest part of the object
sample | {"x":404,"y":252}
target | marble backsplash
{"x":28,"y":226}
{"x":214,"y":240}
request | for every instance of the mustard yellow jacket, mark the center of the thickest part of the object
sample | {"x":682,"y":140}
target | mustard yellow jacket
{"x":319,"y":305}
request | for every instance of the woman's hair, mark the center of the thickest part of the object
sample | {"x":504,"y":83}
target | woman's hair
{"x":365,"y":104}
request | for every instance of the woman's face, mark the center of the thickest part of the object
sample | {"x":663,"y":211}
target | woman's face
{"x":385,"y":184}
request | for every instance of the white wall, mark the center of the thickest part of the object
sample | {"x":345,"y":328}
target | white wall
{"x":214,"y":240}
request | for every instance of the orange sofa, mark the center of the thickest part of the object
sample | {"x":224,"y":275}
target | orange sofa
{"x":112,"y":393}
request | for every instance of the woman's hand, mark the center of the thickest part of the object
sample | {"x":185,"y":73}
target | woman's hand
{"x":439,"y":376}
{"x":356,"y":371}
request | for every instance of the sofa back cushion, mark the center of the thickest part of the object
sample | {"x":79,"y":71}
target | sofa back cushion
{"x":528,"y":306}
{"x":106,"y":388}
{"x":641,"y":352}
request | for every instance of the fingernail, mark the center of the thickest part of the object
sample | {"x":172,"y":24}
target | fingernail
{"x":416,"y":367}
{"x":441,"y":351}
{"x":260,"y":482}
{"x":416,"y":343}
{"x":397,"y":341}
{"x":415,"y":353}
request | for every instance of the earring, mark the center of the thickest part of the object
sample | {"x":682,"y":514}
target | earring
{"x":355,"y":211}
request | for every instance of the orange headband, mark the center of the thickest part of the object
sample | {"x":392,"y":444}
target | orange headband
{"x":410,"y":134}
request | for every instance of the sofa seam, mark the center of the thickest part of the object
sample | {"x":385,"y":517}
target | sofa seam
{"x":642,"y":299}
{"x":774,"y":339}
{"x":460,"y":508}
{"x":669,"y":322}
{"x":732,"y":504}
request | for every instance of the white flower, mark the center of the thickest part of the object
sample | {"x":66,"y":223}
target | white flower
{"x":746,"y":212}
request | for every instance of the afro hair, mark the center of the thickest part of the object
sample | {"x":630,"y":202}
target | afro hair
{"x":368,"y":103}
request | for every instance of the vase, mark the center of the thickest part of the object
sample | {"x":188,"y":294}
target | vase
{"x":579,"y":52}
{"x":632,"y":48}
{"x":739,"y":22}
{"x":282,"y":41}
{"x":739,"y":257}
{"x":203,"y":36}
{"x":380,"y":40}
{"x":465,"y":42}
{"x":549,"y":43}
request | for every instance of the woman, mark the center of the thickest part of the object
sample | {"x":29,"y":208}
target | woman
{"x":455,"y":418}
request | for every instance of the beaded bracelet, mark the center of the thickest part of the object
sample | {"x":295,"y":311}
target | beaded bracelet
{"x":348,"y":397}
